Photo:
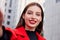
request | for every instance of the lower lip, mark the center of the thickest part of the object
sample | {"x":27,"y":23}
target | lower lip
{"x":32,"y":22}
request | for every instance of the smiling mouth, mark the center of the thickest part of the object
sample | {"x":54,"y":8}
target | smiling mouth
{"x":32,"y":21}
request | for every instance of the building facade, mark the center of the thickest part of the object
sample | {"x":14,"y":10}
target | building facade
{"x":52,"y":19}
{"x":11,"y":13}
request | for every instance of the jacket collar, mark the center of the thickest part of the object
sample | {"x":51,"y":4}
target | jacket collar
{"x":21,"y":31}
{"x":40,"y":37}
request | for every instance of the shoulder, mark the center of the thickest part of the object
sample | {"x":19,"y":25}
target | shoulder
{"x":20,"y":30}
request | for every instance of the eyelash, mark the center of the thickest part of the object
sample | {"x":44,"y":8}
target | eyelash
{"x":38,"y":14}
{"x":29,"y":13}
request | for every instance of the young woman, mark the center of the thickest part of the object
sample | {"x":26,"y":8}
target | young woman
{"x":31,"y":23}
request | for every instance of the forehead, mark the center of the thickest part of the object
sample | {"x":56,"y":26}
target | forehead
{"x":34,"y":8}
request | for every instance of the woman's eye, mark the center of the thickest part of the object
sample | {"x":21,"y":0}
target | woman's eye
{"x":38,"y":14}
{"x":29,"y":13}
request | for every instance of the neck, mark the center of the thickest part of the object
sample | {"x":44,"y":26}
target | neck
{"x":29,"y":28}
{"x":1,"y":31}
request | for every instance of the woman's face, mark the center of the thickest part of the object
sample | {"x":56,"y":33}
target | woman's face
{"x":32,"y":17}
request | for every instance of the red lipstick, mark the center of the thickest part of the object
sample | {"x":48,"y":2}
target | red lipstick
{"x":32,"y":21}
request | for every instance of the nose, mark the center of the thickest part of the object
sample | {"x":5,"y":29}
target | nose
{"x":33,"y":16}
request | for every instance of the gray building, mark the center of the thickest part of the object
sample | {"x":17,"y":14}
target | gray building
{"x":52,"y":19}
{"x":11,"y":13}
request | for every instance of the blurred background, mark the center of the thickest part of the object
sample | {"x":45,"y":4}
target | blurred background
{"x":12,"y":10}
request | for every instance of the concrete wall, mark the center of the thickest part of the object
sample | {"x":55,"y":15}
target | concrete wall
{"x":52,"y":20}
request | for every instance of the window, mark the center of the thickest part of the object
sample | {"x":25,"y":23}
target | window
{"x":8,"y":22}
{"x":57,"y":1}
{"x":9,"y":11}
{"x":5,"y":4}
{"x":10,"y":3}
{"x":8,"y":16}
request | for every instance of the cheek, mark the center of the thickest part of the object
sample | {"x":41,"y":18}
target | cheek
{"x":26,"y":18}
{"x":39,"y":19}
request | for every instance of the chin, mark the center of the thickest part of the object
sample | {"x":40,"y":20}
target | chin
{"x":32,"y":26}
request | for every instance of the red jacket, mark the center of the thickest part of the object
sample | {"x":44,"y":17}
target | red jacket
{"x":22,"y":35}
{"x":12,"y":33}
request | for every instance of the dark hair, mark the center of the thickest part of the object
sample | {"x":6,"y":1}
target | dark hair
{"x":22,"y":22}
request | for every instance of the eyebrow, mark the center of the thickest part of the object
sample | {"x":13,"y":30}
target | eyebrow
{"x":29,"y":10}
{"x":38,"y":12}
{"x":32,"y":11}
